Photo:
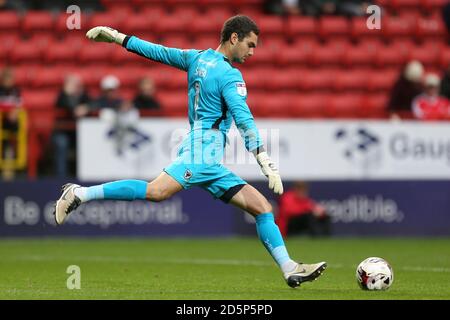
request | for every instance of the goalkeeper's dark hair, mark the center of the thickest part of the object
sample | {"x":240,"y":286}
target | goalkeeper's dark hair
{"x":240,"y":24}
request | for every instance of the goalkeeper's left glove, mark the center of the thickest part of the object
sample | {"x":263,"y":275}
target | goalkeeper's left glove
{"x":105,"y":34}
{"x":269,"y":169}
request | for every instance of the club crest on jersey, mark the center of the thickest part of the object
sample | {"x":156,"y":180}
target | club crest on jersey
{"x":187,"y":175}
{"x":241,"y":89}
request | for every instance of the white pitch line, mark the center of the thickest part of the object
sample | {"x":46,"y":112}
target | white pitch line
{"x":233,"y":262}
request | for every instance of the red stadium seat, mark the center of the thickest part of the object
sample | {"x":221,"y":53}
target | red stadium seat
{"x":361,"y":55}
{"x":360,"y":31}
{"x":299,"y":53}
{"x":353,"y":81}
{"x":112,"y":4}
{"x":91,"y":76}
{"x":176,"y":41}
{"x":382,"y":81}
{"x":333,"y":27}
{"x":9,"y":22}
{"x":219,"y":13}
{"x":255,"y":101}
{"x":257,"y":78}
{"x":206,"y":42}
{"x":431,"y":28}
{"x":316,"y":80}
{"x":49,"y":79}
{"x":263,"y":56}
{"x":24,"y":75}
{"x":343,"y":106}
{"x":274,"y":106}
{"x":111,"y":19}
{"x":142,"y":5}
{"x":140,"y":23}
{"x":404,"y":4}
{"x":173,"y":104}
{"x":37,"y":21}
{"x":171,"y":24}
{"x":281,"y":80}
{"x":120,"y":56}
{"x":95,"y":53}
{"x":444,"y":58}
{"x":270,"y":25}
{"x":307,"y":105}
{"x":431,"y":5}
{"x":200,"y":27}
{"x":330,"y":54}
{"x":374,"y":106}
{"x":427,"y":54}
{"x":395,"y":28}
{"x":39,"y":99}
{"x":61,"y":53}
{"x":212,"y":25}
{"x":25,"y":52}
{"x":301,"y":27}
{"x":177,"y":80}
{"x":392,"y":55}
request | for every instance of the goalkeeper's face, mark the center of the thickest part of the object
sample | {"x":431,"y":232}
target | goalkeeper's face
{"x":244,"y":48}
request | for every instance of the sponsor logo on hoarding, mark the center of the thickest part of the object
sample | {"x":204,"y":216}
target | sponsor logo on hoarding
{"x":361,"y":208}
{"x":104,"y":214}
{"x":361,"y":147}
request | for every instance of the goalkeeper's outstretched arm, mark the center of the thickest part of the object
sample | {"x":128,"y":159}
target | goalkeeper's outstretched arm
{"x":170,"y":56}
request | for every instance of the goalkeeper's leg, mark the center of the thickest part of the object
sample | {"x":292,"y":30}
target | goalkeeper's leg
{"x":73,"y":195}
{"x":252,"y":201}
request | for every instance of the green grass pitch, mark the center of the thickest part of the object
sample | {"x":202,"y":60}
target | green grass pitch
{"x":220,"y":269}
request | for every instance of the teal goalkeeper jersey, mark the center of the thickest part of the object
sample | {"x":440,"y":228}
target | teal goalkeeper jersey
{"x":217,"y":91}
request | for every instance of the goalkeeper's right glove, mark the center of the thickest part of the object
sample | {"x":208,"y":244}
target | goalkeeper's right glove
{"x":269,"y":169}
{"x":105,"y":34}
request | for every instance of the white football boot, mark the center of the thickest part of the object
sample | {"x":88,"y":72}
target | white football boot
{"x":67,"y":203}
{"x":304,"y":272}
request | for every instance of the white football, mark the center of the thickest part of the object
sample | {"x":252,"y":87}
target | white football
{"x":374,"y":274}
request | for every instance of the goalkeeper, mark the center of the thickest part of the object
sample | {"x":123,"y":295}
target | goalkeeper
{"x":217,"y":95}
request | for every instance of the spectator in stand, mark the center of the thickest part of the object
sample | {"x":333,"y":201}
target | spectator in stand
{"x":10,"y":104}
{"x":353,"y":7}
{"x":110,"y":95}
{"x":145,"y":98}
{"x":72,"y":103}
{"x":122,"y":116}
{"x":406,"y":88}
{"x":445,"y":83}
{"x":324,"y":7}
{"x":446,"y":15}
{"x":12,"y":5}
{"x":296,"y":7}
{"x":282,"y":7}
{"x":430,"y":105}
{"x":298,"y":213}
{"x":10,"y":99}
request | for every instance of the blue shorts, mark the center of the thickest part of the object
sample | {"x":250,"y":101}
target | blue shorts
{"x":208,"y":174}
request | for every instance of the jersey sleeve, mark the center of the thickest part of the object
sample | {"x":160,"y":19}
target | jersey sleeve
{"x":234,"y":93}
{"x":174,"y":57}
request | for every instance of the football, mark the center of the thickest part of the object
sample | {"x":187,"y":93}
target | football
{"x":374,"y":274}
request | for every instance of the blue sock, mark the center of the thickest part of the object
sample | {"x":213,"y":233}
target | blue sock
{"x":117,"y":190}
{"x":270,"y":236}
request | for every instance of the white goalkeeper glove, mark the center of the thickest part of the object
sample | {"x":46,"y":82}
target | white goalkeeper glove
{"x":105,"y":34}
{"x":269,"y":169}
